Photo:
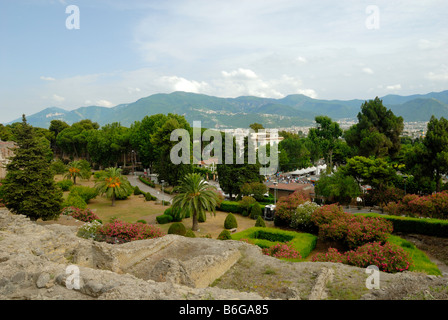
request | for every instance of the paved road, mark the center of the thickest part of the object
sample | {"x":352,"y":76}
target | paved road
{"x":134,"y":180}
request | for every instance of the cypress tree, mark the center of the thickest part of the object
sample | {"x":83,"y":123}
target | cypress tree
{"x":29,"y":186}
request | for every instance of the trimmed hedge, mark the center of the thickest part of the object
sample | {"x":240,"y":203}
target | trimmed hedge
{"x":147,"y":182}
{"x":225,"y":235}
{"x":177,"y":228}
{"x":425,"y":226}
{"x":267,"y":237}
{"x":230,"y":222}
{"x":164,"y":218}
{"x":230,"y":206}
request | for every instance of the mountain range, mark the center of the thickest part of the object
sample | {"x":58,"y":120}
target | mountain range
{"x":240,"y":112}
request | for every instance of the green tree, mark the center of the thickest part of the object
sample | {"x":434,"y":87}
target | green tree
{"x":232,"y":175}
{"x":325,"y":136}
{"x":78,"y":169}
{"x":337,"y":188}
{"x":256,"y":126}
{"x":29,"y":186}
{"x":377,"y":132}
{"x":196,"y":196}
{"x":377,"y":173}
{"x":73,"y":140}
{"x":113,"y":184}
{"x":293,"y":153}
{"x":431,"y":156}
{"x":163,"y":165}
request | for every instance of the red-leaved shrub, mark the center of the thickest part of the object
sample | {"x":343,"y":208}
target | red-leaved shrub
{"x":332,"y":255}
{"x":354,"y":231}
{"x":85,"y":215}
{"x":387,"y":257}
{"x":119,"y":231}
{"x":286,"y":206}
{"x":282,"y":250}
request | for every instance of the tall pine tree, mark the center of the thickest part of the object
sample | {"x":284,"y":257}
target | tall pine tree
{"x":29,"y":186}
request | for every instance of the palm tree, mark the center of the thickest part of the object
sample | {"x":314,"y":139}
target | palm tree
{"x":79,"y":168}
{"x":113,"y":184}
{"x":195,"y":195}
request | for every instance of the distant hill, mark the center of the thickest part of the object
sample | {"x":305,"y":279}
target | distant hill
{"x":215,"y":112}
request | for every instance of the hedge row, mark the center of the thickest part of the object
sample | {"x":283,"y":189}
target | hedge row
{"x":425,"y":226}
{"x":267,"y":237}
{"x":234,"y":207}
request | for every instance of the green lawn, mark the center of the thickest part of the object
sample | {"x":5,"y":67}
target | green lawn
{"x":267,"y":237}
{"x":421,"y":262}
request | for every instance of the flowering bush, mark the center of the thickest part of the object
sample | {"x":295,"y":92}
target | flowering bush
{"x":119,"y":231}
{"x":332,"y":255}
{"x":387,"y":257}
{"x":89,"y":229}
{"x":362,"y":230}
{"x":326,"y":214}
{"x":430,"y":206}
{"x":286,"y":206}
{"x":301,"y":218}
{"x":354,"y":231}
{"x":85,"y":215}
{"x":282,"y":250}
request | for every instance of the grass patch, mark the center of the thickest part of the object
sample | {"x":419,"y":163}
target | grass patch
{"x":267,"y":237}
{"x":421,"y":262}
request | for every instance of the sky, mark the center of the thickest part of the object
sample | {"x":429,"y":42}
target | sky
{"x":111,"y":52}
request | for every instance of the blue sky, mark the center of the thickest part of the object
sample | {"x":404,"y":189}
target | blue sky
{"x":126,"y":50}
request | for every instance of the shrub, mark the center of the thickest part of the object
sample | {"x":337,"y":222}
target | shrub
{"x":141,"y":221}
{"x":245,"y":204}
{"x":58,"y":167}
{"x":177,"y":228}
{"x":66,"y":211}
{"x":354,"y":231}
{"x":387,"y":257}
{"x":177,"y":213}
{"x":149,"y":197}
{"x":230,"y":222}
{"x":286,"y":207}
{"x":119,"y":231}
{"x":65,"y":184}
{"x":255,"y":211}
{"x":260,"y":222}
{"x":89,"y":230}
{"x":326,"y":214}
{"x":190,"y":234}
{"x":230,"y":206}
{"x":425,"y":226}
{"x":147,"y":181}
{"x":225,"y":235}
{"x":301,"y":218}
{"x":85,"y":215}
{"x":74,"y":200}
{"x":332,"y":255}
{"x":163,"y":219}
{"x":84,"y":192}
{"x":98,"y":174}
{"x":282,"y":251}
{"x":137,"y":191}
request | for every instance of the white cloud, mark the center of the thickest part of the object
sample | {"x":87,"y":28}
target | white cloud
{"x":367,"y":70}
{"x":426,"y":44}
{"x":58,"y":98}
{"x":441,"y":75}
{"x":394,"y":87}
{"x":47,"y":78}
{"x":182,"y":84}
{"x":308,"y":92}
{"x":302,"y":59}
{"x":104,"y":103}
{"x":240,"y":74}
